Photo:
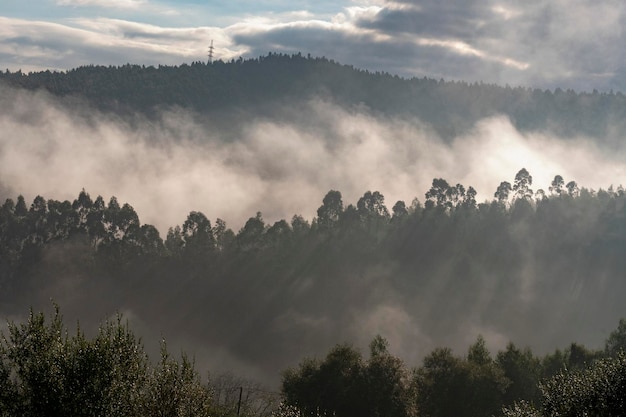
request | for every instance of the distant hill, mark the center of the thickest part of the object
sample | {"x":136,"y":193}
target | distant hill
{"x":257,"y":85}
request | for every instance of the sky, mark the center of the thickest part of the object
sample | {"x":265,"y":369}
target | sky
{"x":546,"y":44}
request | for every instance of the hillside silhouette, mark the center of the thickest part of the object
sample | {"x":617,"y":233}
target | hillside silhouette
{"x":258,"y":85}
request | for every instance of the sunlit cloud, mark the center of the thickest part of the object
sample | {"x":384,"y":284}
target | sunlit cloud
{"x":544,"y":44}
{"x":463,"y":48}
{"x":176,"y":165}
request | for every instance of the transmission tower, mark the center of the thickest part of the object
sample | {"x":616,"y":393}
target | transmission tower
{"x":211,"y":52}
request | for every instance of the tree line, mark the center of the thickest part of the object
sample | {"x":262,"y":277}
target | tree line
{"x":571,"y":382}
{"x":257,"y":84}
{"x":526,"y":264}
{"x":47,"y":370}
{"x":114,"y":233}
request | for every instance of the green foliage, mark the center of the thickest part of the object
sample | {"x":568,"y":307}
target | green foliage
{"x":329,"y":212}
{"x":596,"y":391}
{"x":616,"y":342}
{"x":448,"y":386}
{"x":174,"y":389}
{"x":523,"y":370}
{"x":500,"y":257}
{"x":45,"y":372}
{"x":521,"y":409}
{"x":345,"y":385}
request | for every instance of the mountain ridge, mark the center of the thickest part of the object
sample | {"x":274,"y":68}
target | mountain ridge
{"x":257,"y":85}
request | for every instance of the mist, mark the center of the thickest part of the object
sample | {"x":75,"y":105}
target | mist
{"x":280,"y":163}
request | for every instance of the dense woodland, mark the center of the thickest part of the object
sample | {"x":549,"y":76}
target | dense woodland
{"x":451,"y":245}
{"x":529,"y":265}
{"x":47,"y":370}
{"x":277,"y":79}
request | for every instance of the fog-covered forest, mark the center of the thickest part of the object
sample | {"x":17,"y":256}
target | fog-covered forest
{"x":298,"y":208}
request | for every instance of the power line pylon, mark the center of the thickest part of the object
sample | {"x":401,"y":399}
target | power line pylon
{"x":211,"y":52}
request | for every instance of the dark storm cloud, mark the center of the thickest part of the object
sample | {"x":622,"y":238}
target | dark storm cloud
{"x":545,"y":44}
{"x":458,"y":19}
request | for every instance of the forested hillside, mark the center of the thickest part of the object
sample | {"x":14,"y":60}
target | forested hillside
{"x":529,"y":274}
{"x":524,"y":262}
{"x":522,"y":266}
{"x":276,"y":79}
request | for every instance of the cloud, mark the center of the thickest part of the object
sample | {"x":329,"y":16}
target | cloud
{"x":35,"y":46}
{"x":545,"y":44}
{"x":179,"y":163}
{"x":542,"y":43}
{"x":122,"y":4}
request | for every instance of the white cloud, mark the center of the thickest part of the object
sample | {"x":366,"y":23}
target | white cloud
{"x":122,"y":4}
{"x":37,"y":45}
{"x":543,"y":44}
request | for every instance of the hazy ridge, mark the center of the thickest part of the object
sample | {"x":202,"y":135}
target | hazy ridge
{"x":274,"y":135}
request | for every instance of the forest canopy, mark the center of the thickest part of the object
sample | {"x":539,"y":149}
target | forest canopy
{"x":450,"y":107}
{"x":505,"y":263}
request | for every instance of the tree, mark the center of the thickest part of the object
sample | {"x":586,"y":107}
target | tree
{"x":616,"y":341}
{"x":251,"y":235}
{"x":438,"y":382}
{"x":96,"y":222}
{"x":299,"y":225}
{"x":572,"y":189}
{"x":174,"y":242}
{"x":470,"y":198}
{"x":149,"y":240}
{"x":522,"y":183}
{"x":63,"y":220}
{"x":224,"y":237}
{"x":330,"y":210}
{"x":372,"y":205}
{"x":540,"y":195}
{"x":37,"y":218}
{"x":478,"y":353}
{"x":579,"y":357}
{"x":556,"y":186}
{"x":46,"y":372}
{"x":326,"y":387}
{"x":438,"y":194}
{"x":502,"y":192}
{"x":175,"y":389}
{"x":597,"y":391}
{"x":20,"y":207}
{"x":455,"y":196}
{"x":399,"y":210}
{"x":198,"y":234}
{"x":111,"y":220}
{"x":447,"y":386}
{"x":279,"y":233}
{"x":82,"y":206}
{"x":389,"y":392}
{"x":372,"y":212}
{"x":344,"y":385}
{"x":523,"y":370}
{"x":128,"y":223}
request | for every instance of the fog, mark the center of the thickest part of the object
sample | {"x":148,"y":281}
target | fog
{"x":281,"y":165}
